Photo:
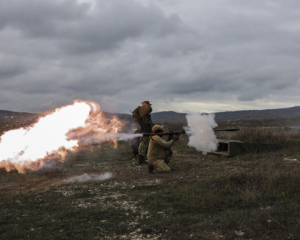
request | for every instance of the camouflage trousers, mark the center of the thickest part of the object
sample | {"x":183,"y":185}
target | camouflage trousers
{"x":143,"y":147}
{"x":163,"y":165}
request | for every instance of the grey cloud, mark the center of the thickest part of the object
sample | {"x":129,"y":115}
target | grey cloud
{"x":39,"y":87}
{"x":109,"y":26}
{"x":126,"y":52}
{"x":39,"y":18}
{"x":99,"y":86}
{"x":165,"y":26}
{"x":80,"y":31}
{"x":4,"y":101}
{"x":251,"y":95}
{"x":174,"y":45}
{"x":206,"y":84}
{"x":200,"y":86}
{"x":10,"y":69}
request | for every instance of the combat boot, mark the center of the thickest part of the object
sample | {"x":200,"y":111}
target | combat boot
{"x":172,"y":169}
{"x":142,"y":160}
{"x":151,"y":168}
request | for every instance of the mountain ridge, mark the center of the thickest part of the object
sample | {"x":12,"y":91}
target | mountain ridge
{"x":172,"y":116}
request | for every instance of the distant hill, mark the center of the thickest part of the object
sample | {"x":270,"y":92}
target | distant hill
{"x":258,"y":114}
{"x":10,"y":120}
{"x":8,"y":115}
{"x":171,"y":116}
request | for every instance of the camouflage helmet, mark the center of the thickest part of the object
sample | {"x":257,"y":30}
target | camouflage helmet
{"x":156,"y":127}
{"x":147,"y":102}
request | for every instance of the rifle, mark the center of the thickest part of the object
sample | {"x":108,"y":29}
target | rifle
{"x":184,"y":132}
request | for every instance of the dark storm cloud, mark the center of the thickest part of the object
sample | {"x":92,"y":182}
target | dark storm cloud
{"x":105,"y":86}
{"x":65,"y":28}
{"x":124,"y":52}
{"x":39,"y":18}
{"x":80,"y":31}
{"x":10,"y":69}
{"x":208,"y":84}
{"x":110,"y":26}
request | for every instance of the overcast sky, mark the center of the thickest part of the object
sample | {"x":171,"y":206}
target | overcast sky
{"x":185,"y":56}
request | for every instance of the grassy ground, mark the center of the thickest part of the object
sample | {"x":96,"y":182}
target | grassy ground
{"x":252,"y":196}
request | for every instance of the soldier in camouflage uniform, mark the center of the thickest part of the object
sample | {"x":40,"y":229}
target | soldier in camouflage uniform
{"x":144,"y":113}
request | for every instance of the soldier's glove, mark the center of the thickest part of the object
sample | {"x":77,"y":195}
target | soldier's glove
{"x":176,"y":138}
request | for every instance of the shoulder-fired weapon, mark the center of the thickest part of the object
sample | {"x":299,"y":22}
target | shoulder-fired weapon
{"x":188,"y":132}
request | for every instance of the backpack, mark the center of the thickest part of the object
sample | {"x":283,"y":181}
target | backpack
{"x":135,"y":114}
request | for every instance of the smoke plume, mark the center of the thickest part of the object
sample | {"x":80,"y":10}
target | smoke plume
{"x":85,"y":177}
{"x":201,"y":133}
{"x":93,"y":138}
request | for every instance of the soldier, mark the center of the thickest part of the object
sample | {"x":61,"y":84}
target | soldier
{"x":159,"y":153}
{"x":144,"y":114}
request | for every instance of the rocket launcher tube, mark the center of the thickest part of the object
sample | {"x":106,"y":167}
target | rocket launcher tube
{"x":227,"y":130}
{"x":189,"y":132}
{"x":165,"y":133}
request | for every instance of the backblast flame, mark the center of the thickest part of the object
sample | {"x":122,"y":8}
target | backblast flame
{"x":97,"y":130}
{"x":46,"y":142}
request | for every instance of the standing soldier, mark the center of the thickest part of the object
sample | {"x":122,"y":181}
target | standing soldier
{"x":142,"y":116}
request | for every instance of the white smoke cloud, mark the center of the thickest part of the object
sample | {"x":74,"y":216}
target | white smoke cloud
{"x":200,"y":128}
{"x":98,"y":138}
{"x":86,"y":177}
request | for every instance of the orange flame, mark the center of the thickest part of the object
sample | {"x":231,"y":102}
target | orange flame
{"x":47,"y":140}
{"x":97,"y":129}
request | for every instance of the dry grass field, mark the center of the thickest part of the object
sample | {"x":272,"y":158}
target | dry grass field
{"x":251,"y":196}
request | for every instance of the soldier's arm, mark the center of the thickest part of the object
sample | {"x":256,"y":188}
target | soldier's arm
{"x":158,"y":140}
{"x":144,"y":110}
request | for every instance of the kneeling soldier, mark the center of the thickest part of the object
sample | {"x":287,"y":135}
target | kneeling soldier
{"x":159,"y":151}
